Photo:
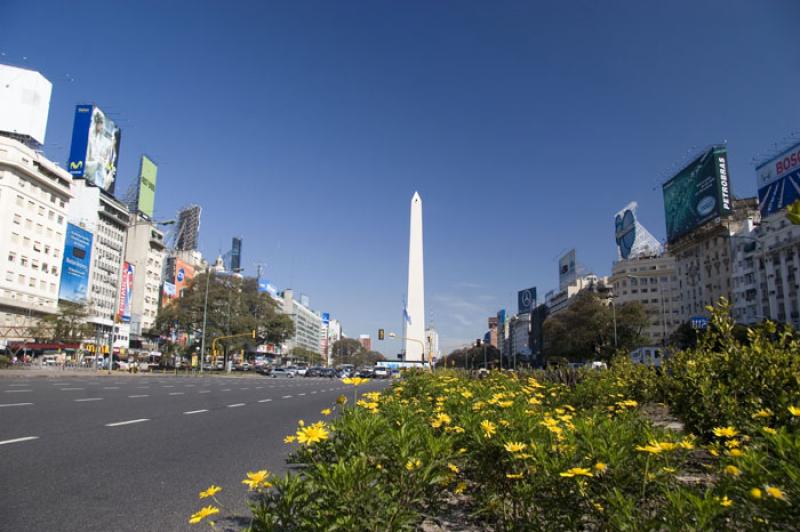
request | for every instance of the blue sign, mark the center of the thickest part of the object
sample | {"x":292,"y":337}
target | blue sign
{"x":80,"y":140}
{"x":262,"y":285}
{"x":501,"y":317}
{"x":526,"y":300}
{"x":94,"y":152}
{"x":180,"y":276}
{"x":779,"y":181}
{"x":326,"y":318}
{"x":75,"y":265}
{"x":699,"y":322}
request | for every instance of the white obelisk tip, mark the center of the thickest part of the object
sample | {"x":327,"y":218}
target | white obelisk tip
{"x":415,"y":311}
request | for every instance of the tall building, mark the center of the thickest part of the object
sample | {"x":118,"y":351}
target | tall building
{"x":35,"y":197}
{"x":144,"y":252}
{"x":653,"y":282}
{"x":187,"y":234}
{"x":365,"y":341}
{"x":415,"y":309}
{"x":493,"y":330}
{"x":334,"y":334}
{"x":307,"y":323}
{"x":432,"y":343}
{"x":520,"y":337}
{"x":557,"y":301}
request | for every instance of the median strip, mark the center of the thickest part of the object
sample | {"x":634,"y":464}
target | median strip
{"x":17,"y":440}
{"x":195,"y":412}
{"x":129,"y":422}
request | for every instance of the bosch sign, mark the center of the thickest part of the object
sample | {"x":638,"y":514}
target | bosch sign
{"x":779,"y":181}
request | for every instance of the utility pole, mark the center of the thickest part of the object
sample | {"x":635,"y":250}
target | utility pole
{"x":205,"y":322}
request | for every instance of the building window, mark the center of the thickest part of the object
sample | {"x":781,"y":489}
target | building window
{"x":12,"y":256}
{"x":24,"y":261}
{"x":17,"y":219}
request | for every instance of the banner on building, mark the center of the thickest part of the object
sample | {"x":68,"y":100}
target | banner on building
{"x":697,"y":194}
{"x":778,"y":181}
{"x":526,"y":300}
{"x":146,"y":194}
{"x":632,"y":239}
{"x":125,"y":292}
{"x":94,"y":152}
{"x":75,"y":264}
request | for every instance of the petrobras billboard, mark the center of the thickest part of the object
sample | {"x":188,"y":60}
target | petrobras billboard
{"x":125,"y":292}
{"x":146,"y":195}
{"x":567,"y":271}
{"x":526,"y":300}
{"x":75,"y":264}
{"x":697,"y":194}
{"x":95,"y":147}
{"x":779,"y":181}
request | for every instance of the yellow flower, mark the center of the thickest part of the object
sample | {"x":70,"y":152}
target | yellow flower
{"x":732,"y":470}
{"x":341,"y":400}
{"x":441,"y":419}
{"x":210,"y":492}
{"x":504,"y":423}
{"x":534,"y":401}
{"x":794,"y":410}
{"x":489,"y":428}
{"x":257,"y":480}
{"x":505,"y":404}
{"x":601,"y":467}
{"x":726,"y":501}
{"x":769,"y":430}
{"x":515,"y":447}
{"x":452,"y":467}
{"x":725,"y":432}
{"x":289,"y":439}
{"x":312,"y":434}
{"x":466,"y":394}
{"x":655,"y":447}
{"x":413,"y":463}
{"x":776,"y":493}
{"x":577,"y":471}
{"x":764,"y":412}
{"x":686,"y":443}
{"x":755,"y":493}
{"x":355,"y":381}
{"x":736,"y":453}
{"x":326,"y":412}
{"x":668,"y":469}
{"x":460,"y":487}
{"x":513,"y":475}
{"x":458,"y":430}
{"x":202,"y":514}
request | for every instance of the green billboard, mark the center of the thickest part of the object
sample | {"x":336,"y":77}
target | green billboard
{"x":697,"y":194}
{"x":148,"y":172}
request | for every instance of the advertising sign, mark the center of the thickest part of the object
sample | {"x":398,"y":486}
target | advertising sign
{"x":95,"y":147}
{"x":526,"y":300}
{"x":75,"y":265}
{"x":326,"y":318}
{"x":698,"y":193}
{"x":184,"y":273}
{"x":779,"y":181}
{"x":633,"y":240}
{"x":146,"y":195}
{"x":125,"y":292}
{"x":566,"y":269}
{"x":169,"y":291}
{"x":501,"y":317}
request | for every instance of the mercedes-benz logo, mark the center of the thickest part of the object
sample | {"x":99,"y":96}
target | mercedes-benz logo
{"x":527,"y":299}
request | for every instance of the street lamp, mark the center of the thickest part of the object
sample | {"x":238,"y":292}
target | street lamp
{"x":420,"y":342}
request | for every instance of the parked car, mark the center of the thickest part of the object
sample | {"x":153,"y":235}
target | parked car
{"x":282,"y":372}
{"x":299,"y":370}
{"x":382,"y":373}
{"x":312,"y":372}
{"x":365,"y":373}
{"x":327,"y":372}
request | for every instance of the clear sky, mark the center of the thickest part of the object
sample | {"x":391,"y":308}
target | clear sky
{"x":305,"y":128}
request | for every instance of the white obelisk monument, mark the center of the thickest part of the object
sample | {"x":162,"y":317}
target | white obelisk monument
{"x":415,"y":306}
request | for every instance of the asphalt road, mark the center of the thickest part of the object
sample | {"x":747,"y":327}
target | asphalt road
{"x":102,"y":453}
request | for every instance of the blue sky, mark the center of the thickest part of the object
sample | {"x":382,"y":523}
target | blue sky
{"x":305,"y":127}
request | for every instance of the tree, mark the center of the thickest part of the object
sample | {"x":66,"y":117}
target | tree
{"x":585,"y":329}
{"x":307,"y":355}
{"x":472,"y":357}
{"x":68,"y":325}
{"x":346,"y":351}
{"x":235,"y":306}
{"x":369,"y":358}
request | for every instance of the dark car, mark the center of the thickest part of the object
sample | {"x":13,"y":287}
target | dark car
{"x":365,"y":374}
{"x":312,"y":372}
{"x":327,"y":372}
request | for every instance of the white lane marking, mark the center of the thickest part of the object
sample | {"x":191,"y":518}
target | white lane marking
{"x":226,"y":390}
{"x":176,"y":393}
{"x":265,"y":400}
{"x":168,"y":386}
{"x":286,"y":397}
{"x":204,"y":391}
{"x":236,"y":405}
{"x":17,"y":440}
{"x":195,"y":412}
{"x":142,"y":387}
{"x":71,"y":389}
{"x":111,"y":387}
{"x":21,"y":385}
{"x":87,"y":399}
{"x":259,"y":387}
{"x":135,"y":396}
{"x":244,"y":388}
{"x":313,"y":392}
{"x":18,"y":391}
{"x":129,"y":422}
{"x":189,"y":385}
{"x":301,"y":393}
{"x":15,"y":404}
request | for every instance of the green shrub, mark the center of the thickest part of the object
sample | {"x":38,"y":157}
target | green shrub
{"x":4,"y":361}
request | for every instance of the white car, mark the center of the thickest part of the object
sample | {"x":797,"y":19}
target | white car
{"x":382,"y":373}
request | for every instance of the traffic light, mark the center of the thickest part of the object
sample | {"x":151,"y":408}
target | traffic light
{"x":478,"y":342}
{"x":381,"y":334}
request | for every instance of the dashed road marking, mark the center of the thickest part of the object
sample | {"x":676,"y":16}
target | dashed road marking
{"x":111,"y":387}
{"x":18,"y":391}
{"x":225,"y":390}
{"x":87,"y":399}
{"x":71,"y":389}
{"x":18,"y":440}
{"x":129,"y":422}
{"x":286,"y":397}
{"x":176,"y":393}
{"x":265,"y":400}
{"x":204,"y":391}
{"x":15,"y":404}
{"x":236,"y":405}
{"x":167,"y":385}
{"x":301,"y":393}
{"x":195,"y":412}
{"x":20,"y":385}
{"x":135,"y":396}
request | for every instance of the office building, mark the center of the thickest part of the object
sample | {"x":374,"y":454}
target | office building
{"x":365,"y":341}
{"x":307,"y":323}
{"x":144,"y":252}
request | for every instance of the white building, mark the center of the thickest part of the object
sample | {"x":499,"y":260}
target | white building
{"x":560,"y":300}
{"x":432,"y":343}
{"x":35,"y":195}
{"x":307,"y":323}
{"x":330,"y":335}
{"x":653,"y":282}
{"x":145,"y":251}
{"x":520,"y":332}
{"x":107,"y":219}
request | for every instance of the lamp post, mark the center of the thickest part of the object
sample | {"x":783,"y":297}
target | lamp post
{"x":205,"y":322}
{"x":420,"y":342}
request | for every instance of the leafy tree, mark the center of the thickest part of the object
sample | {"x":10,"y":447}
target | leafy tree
{"x":235,"y":306}
{"x":347,"y":351}
{"x":307,"y":355}
{"x":68,"y":325}
{"x":369,"y":358}
{"x":585,"y":329}
{"x":472,"y":357}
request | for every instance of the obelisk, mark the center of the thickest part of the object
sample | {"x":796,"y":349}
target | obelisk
{"x":415,"y":306}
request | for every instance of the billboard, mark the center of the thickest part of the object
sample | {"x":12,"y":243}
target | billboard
{"x":778,"y":181}
{"x":146,"y":195}
{"x":75,"y":265}
{"x":326,"y":318}
{"x":632,"y":239}
{"x":95,"y":147}
{"x":125,"y":292}
{"x":25,"y":103}
{"x":526,"y":300}
{"x":184,"y":273}
{"x":567,"y":272}
{"x":697,"y":194}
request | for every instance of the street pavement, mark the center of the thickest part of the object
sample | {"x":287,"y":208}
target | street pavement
{"x":131,"y":452}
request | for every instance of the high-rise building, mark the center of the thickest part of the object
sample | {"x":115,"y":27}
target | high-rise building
{"x":35,"y":197}
{"x":365,"y":341}
{"x":24,"y":105}
{"x":520,"y":333}
{"x":144,"y":252}
{"x":493,"y":330}
{"x":307,"y":323}
{"x":187,"y":234}
{"x":334,"y":334}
